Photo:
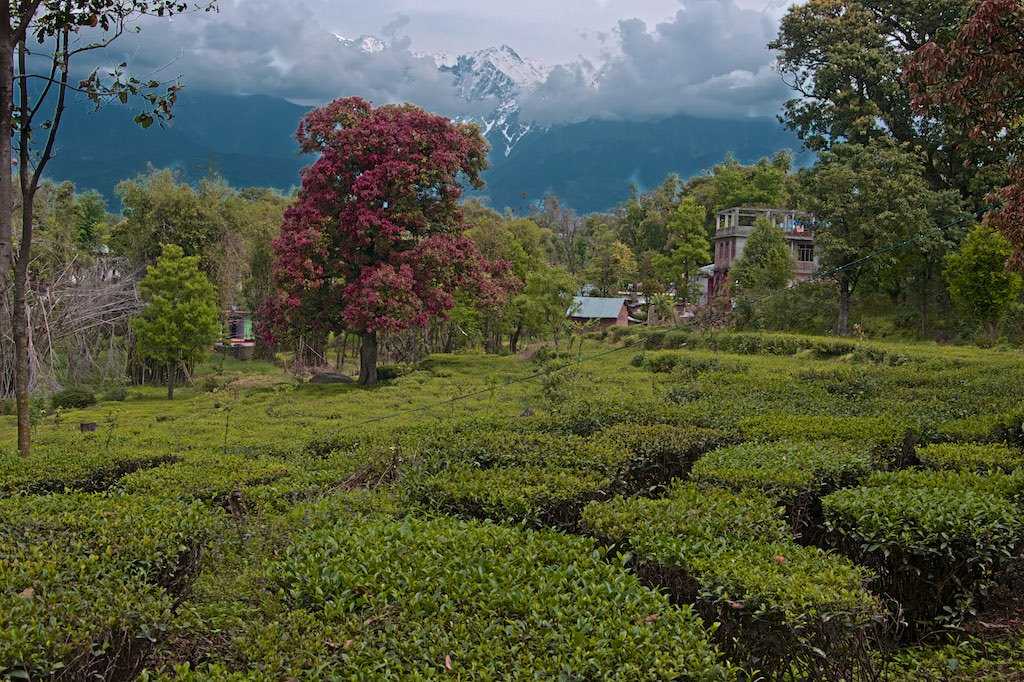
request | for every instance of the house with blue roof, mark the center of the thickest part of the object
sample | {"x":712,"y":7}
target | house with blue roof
{"x":599,"y":312}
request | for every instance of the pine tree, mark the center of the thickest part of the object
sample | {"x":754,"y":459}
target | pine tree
{"x":180,"y":321}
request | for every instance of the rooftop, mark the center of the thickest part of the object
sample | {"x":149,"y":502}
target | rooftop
{"x":594,"y":308}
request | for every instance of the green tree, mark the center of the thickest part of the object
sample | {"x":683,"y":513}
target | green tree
{"x":159,"y":209}
{"x":180,"y":320}
{"x":868,"y":200}
{"x":541,"y":306}
{"x":90,"y":219}
{"x":36,"y":47}
{"x":689,"y":248}
{"x":612,"y":263}
{"x":844,"y":59}
{"x":980,"y":284}
{"x":766,"y":264}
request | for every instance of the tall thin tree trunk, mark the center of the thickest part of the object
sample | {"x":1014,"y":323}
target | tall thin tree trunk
{"x":21,"y":363}
{"x":513,"y":340}
{"x":6,"y":152}
{"x":172,"y":370}
{"x":845,"y":294}
{"x":368,"y":359}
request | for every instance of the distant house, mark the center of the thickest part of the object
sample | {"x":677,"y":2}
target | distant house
{"x":600,"y":312}
{"x":734,"y":226}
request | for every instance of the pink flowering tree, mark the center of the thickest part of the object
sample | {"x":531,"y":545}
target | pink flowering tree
{"x":375,"y":242}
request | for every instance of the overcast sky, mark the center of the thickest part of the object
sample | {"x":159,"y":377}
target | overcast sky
{"x":654,"y":57}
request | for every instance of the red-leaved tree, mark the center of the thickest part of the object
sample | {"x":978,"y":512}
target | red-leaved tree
{"x":374,"y":243}
{"x":977,"y":76}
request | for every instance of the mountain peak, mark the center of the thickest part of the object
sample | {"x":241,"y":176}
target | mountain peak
{"x":364,"y":43}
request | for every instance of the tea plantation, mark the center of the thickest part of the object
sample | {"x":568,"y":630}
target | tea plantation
{"x":658,"y":505}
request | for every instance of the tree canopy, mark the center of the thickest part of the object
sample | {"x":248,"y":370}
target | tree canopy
{"x":375,"y":242}
{"x":181,"y":319}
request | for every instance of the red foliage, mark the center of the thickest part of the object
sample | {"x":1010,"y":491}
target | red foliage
{"x":978,"y":77}
{"x":374,"y":242}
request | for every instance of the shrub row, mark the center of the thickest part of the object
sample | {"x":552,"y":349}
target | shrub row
{"x":89,"y":582}
{"x":658,"y":453}
{"x":545,"y":479}
{"x":970,"y":457}
{"x":537,"y":496}
{"x":1009,"y":487}
{"x":430,"y":599}
{"x":783,"y":609}
{"x":796,"y":474}
{"x":890,"y":440}
{"x":88,"y":466}
{"x":752,"y":343}
{"x":208,"y":477}
{"x":935,"y":548}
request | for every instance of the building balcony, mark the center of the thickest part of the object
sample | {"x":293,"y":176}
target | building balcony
{"x":739,"y":221}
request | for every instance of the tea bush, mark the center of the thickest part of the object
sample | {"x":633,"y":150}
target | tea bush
{"x":429,"y":599}
{"x":891,"y":440}
{"x":91,"y":466}
{"x":753,"y":343}
{"x":935,"y":549}
{"x":89,"y":582}
{"x":208,"y":477}
{"x":1007,"y":486}
{"x":538,"y":496}
{"x":970,"y":457}
{"x":658,"y":452}
{"x":500,"y":448}
{"x":783,"y":608}
{"x":796,"y":474}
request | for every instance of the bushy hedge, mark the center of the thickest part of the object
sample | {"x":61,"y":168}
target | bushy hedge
{"x":797,"y":474}
{"x":208,"y":477}
{"x":684,"y":364}
{"x":89,"y":582}
{"x":429,"y":599}
{"x":658,"y":453}
{"x":754,"y":343}
{"x":783,"y":609}
{"x":891,"y":440}
{"x":73,"y":399}
{"x":1006,"y":486}
{"x":92,"y":466}
{"x":935,"y":549}
{"x":584,"y":415}
{"x":493,"y":448}
{"x":538,"y":496}
{"x":971,"y":457}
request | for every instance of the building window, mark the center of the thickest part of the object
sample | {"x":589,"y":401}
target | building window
{"x":805,"y":253}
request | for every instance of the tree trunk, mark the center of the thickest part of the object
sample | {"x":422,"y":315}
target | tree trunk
{"x":6,"y":153}
{"x":21,"y":361}
{"x":368,"y":359}
{"x":845,"y":294}
{"x":513,"y":340}
{"x":172,"y":370}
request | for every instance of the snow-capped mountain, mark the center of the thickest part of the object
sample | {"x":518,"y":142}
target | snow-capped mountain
{"x":497,"y":75}
{"x":364,"y":43}
{"x":500,"y":75}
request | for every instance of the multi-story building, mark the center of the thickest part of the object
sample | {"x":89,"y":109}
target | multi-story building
{"x":734,"y":226}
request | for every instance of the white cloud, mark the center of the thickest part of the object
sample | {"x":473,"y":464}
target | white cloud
{"x":653,"y":57}
{"x":710,"y":59}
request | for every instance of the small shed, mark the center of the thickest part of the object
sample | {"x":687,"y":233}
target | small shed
{"x":602,"y":312}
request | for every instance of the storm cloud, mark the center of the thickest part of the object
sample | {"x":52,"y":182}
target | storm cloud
{"x":619,"y":59}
